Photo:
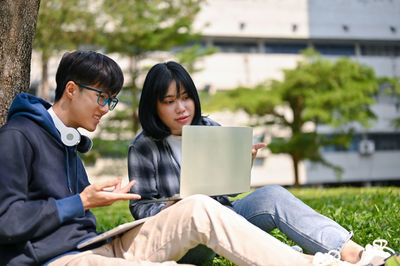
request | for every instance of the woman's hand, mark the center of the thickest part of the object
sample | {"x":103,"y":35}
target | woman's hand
{"x":255,"y":149}
{"x":106,"y":193}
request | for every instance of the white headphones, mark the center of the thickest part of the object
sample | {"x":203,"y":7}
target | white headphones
{"x":69,"y":135}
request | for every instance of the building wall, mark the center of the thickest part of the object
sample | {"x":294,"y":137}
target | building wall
{"x":365,"y":19}
{"x":254,"y":18}
{"x":382,"y":165}
{"x":369,"y":31}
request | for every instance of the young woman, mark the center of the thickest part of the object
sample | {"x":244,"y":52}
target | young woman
{"x":169,"y":101}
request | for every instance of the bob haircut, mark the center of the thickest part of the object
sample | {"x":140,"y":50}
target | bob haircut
{"x":154,"y":90}
{"x":90,"y":68}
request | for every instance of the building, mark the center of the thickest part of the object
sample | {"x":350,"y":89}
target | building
{"x":258,"y":38}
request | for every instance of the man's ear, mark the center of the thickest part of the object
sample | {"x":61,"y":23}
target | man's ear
{"x":71,"y":89}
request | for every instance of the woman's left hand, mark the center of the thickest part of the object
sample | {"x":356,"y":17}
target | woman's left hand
{"x":254,"y":150}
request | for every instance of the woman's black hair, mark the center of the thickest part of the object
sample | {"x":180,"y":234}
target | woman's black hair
{"x":90,"y":68}
{"x":155,"y":88}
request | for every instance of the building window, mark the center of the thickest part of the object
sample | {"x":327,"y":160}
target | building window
{"x":381,"y":141}
{"x":385,"y":141}
{"x":259,"y":161}
{"x":380,"y":50}
{"x":236,"y":47}
{"x":335,"y":49}
{"x":284,"y":48}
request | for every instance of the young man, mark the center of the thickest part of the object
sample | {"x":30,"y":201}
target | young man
{"x":45,"y":195}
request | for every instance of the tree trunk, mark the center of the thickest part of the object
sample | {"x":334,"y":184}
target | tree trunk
{"x":17,"y":31}
{"x":133,"y":69}
{"x":296,"y":160}
{"x":44,"y":90}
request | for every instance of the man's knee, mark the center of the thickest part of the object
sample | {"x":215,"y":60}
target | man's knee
{"x":199,"y":201}
{"x":201,"y":206}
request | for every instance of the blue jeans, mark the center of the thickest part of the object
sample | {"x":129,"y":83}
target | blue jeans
{"x":273,"y":207}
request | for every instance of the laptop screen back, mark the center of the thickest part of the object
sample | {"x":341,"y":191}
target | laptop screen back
{"x":216,"y":160}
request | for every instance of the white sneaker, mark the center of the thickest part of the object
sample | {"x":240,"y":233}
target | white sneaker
{"x":332,"y":258}
{"x":375,"y":254}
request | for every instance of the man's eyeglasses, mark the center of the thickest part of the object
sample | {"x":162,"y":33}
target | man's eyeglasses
{"x":103,"y":97}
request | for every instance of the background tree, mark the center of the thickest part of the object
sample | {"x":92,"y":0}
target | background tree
{"x":17,"y":30}
{"x":141,"y":30}
{"x":62,"y":25}
{"x":316,"y":91}
{"x":136,"y":28}
{"x":393,"y":88}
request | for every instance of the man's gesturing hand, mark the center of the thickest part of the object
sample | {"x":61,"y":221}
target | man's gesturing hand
{"x":96,"y":195}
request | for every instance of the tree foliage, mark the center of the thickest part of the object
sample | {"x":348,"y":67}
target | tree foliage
{"x":135,"y":28}
{"x":317,"y":90}
{"x":393,"y":88}
{"x":62,"y":25}
{"x":138,"y":30}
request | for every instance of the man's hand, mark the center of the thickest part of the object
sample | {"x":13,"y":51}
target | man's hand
{"x":254,"y":150}
{"x":105,"y":194}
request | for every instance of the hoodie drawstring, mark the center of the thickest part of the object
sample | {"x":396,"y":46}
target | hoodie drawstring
{"x":76,"y":172}
{"x":67,"y":166}
{"x":76,"y":175}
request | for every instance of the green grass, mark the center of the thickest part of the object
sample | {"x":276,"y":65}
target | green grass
{"x":369,"y":212}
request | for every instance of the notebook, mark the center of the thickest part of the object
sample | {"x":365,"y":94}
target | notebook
{"x":216,"y":160}
{"x":111,"y":233}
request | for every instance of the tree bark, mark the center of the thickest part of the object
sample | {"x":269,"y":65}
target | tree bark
{"x":296,"y":160}
{"x":134,"y":71}
{"x":44,"y":90}
{"x":17,"y":30}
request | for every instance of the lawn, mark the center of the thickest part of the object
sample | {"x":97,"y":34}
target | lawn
{"x":370,"y":213}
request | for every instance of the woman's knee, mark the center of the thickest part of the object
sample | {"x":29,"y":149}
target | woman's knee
{"x":271,"y":192}
{"x":264,"y":200}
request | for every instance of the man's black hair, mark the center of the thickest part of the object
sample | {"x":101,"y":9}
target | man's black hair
{"x":90,"y":68}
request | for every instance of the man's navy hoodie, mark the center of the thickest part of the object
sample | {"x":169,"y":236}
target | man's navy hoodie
{"x":41,"y":212}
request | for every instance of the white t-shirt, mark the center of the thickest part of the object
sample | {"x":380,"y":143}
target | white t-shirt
{"x":175,"y":142}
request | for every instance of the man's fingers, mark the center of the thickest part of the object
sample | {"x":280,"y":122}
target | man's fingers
{"x":128,"y":187}
{"x":118,"y":186}
{"x":107,"y":184}
{"x":121,"y":196}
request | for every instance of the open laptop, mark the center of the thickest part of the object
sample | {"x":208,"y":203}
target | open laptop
{"x":216,"y":160}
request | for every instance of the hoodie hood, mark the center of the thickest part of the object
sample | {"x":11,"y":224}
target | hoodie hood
{"x":34,"y":108}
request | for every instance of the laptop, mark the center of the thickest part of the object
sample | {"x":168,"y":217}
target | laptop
{"x":216,"y":160}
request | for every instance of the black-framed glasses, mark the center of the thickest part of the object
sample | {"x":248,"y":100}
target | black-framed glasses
{"x":103,"y":97}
